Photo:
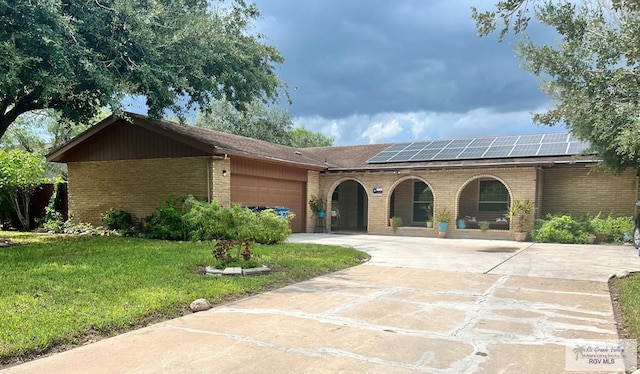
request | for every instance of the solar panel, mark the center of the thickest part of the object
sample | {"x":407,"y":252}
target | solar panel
{"x":426,"y":154}
{"x":555,"y":138}
{"x":577,"y":147}
{"x":498,"y":151}
{"x":472,"y":152}
{"x":460,"y":143}
{"x":505,"y":140}
{"x":482,"y":142}
{"x":438,"y":144}
{"x":552,"y":149}
{"x":402,"y":156}
{"x":448,"y":154}
{"x":416,"y":146}
{"x":525,"y":150}
{"x":529,"y":139}
{"x":486,"y":147}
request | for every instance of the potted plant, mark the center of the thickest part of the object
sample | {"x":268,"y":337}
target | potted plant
{"x":429,"y":223}
{"x":395,"y":223}
{"x":443,"y":217}
{"x":520,"y":212}
{"x":317,"y":205}
{"x":484,"y":225}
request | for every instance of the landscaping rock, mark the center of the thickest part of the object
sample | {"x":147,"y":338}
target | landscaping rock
{"x":4,"y":243}
{"x":213,"y":271}
{"x":200,"y":305}
{"x":232,"y":271}
{"x":256,"y":271}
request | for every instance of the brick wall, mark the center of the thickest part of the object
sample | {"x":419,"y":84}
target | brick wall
{"x":313,"y":188}
{"x":446,"y":186}
{"x":579,"y":189}
{"x":220,"y":183}
{"x":135,"y":186}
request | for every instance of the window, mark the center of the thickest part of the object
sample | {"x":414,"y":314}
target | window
{"x":422,"y":202}
{"x":493,"y":196}
{"x":336,"y":194}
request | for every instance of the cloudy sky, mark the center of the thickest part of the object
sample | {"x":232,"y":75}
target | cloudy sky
{"x":368,"y":71}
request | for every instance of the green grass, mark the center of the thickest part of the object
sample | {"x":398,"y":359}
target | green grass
{"x":629,"y":294}
{"x":628,"y":290}
{"x":57,"y":290}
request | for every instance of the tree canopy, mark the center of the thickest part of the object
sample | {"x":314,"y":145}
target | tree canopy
{"x":592,"y":73}
{"x":259,"y":121}
{"x":20,"y":173}
{"x":76,"y":57}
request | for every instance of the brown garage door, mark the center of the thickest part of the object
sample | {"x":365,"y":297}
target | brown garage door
{"x":260,"y":191}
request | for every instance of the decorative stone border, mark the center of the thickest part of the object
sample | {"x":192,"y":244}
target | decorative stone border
{"x":237,"y":271}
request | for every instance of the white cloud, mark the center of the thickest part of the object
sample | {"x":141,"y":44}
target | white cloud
{"x":411,"y":126}
{"x":379,"y":131}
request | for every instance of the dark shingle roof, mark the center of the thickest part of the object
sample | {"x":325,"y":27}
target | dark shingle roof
{"x":320,"y":158}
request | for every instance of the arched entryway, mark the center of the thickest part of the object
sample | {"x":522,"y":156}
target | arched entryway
{"x":349,"y":207}
{"x":483,"y":203}
{"x":412,"y":201}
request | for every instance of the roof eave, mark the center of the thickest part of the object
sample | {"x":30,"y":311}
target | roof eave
{"x":234,"y":152}
{"x":391,"y":167}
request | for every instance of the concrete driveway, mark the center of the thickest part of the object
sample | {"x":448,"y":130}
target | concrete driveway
{"x":420,"y":305}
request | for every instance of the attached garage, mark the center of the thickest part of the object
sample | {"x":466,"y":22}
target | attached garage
{"x":255,"y":183}
{"x":133,"y":164}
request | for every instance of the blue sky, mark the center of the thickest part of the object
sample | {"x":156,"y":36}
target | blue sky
{"x":393,"y":71}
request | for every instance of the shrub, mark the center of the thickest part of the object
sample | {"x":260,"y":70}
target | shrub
{"x":612,"y":228}
{"x":271,"y":228}
{"x":117,"y":219}
{"x":53,"y":219}
{"x":562,"y":229}
{"x":166,"y":222}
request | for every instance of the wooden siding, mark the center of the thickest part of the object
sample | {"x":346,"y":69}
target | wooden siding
{"x":267,"y":170}
{"x":123,"y":141}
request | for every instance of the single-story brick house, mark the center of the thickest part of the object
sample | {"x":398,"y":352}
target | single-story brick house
{"x":133,"y":164}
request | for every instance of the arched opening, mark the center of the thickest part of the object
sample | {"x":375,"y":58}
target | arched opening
{"x":412,"y":201}
{"x":483,"y":203}
{"x":349,"y":207}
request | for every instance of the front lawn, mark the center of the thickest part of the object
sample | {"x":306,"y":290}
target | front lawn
{"x":627,"y":290}
{"x":61,"y":291}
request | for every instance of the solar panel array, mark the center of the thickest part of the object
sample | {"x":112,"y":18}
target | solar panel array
{"x":556,"y":144}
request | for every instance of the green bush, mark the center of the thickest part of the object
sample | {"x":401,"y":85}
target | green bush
{"x":117,"y":219}
{"x":561,"y":229}
{"x":209,"y":221}
{"x":613,"y":228}
{"x":166,"y":222}
{"x":53,"y":219}
{"x":564,"y":228}
{"x":271,"y":228}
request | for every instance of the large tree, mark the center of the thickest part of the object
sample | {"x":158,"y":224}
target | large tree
{"x":258,"y":121}
{"x":592,"y":73}
{"x":78,"y":56}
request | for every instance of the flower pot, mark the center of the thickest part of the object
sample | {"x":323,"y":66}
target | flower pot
{"x":429,"y":224}
{"x":442,"y":234}
{"x":520,"y":236}
{"x":321,"y":213}
{"x":462,"y":223}
{"x":443,"y":226}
